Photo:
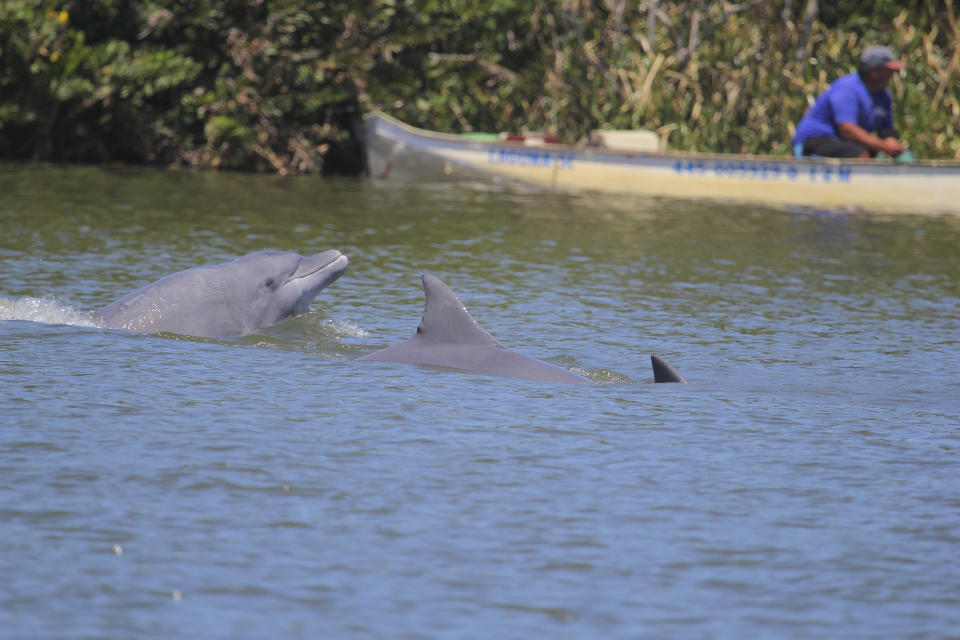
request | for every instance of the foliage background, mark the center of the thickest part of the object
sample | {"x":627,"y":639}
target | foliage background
{"x":278,"y":85}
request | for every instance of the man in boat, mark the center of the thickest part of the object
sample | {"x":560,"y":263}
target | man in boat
{"x":853,"y":118}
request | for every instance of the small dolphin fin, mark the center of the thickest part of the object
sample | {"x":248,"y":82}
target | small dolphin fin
{"x":663,"y":372}
{"x":446,"y":320}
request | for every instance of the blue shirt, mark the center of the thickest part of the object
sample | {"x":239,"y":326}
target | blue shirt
{"x":846,"y":100}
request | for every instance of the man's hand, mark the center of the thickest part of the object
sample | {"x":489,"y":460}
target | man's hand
{"x":890,"y":146}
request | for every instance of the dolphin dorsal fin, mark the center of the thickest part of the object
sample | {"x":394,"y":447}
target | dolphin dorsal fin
{"x":663,"y":372}
{"x":446,"y":320}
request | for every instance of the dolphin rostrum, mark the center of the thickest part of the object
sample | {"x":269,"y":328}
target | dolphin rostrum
{"x":449,"y":337}
{"x":232,"y":299}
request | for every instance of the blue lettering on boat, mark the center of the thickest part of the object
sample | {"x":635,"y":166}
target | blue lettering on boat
{"x":762,"y":170}
{"x":530,"y":158}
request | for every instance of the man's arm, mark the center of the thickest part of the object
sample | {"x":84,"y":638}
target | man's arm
{"x":851,"y":131}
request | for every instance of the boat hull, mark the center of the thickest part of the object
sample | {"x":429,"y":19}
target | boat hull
{"x":397,"y":151}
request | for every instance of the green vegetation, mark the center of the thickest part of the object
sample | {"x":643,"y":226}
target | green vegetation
{"x":277,"y":85}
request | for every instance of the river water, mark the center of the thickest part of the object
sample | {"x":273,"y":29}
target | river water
{"x":805,"y":484}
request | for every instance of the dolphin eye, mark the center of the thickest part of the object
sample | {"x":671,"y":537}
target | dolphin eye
{"x":269,"y":283}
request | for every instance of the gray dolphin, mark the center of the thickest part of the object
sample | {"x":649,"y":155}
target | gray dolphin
{"x":233,"y":299}
{"x":449,"y":337}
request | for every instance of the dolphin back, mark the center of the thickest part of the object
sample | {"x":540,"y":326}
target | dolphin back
{"x":189,"y":303}
{"x":449,"y":337}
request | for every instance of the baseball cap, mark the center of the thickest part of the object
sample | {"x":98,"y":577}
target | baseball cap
{"x":879,"y":56}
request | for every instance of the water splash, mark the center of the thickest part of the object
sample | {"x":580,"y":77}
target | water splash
{"x":46,"y":310}
{"x":344,"y":329}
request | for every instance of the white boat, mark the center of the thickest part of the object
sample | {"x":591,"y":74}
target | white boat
{"x":398,"y":151}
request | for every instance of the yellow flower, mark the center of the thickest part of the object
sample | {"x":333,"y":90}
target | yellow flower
{"x":54,"y":56}
{"x":62,"y":17}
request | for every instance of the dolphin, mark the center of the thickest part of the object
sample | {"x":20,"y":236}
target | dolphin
{"x":449,"y":337}
{"x":232,"y":299}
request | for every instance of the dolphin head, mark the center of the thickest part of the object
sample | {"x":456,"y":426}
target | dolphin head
{"x":285,"y":283}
